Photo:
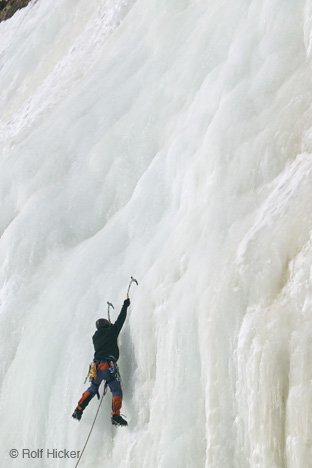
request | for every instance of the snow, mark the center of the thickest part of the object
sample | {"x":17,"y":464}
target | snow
{"x":170,"y":141}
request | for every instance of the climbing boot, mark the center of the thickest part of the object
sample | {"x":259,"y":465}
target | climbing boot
{"x":118,"y":420}
{"x":77,"y":414}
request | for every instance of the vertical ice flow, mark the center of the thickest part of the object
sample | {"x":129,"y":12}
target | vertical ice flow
{"x":170,"y":140}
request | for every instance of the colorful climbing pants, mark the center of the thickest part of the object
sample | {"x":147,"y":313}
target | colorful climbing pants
{"x":107,"y":371}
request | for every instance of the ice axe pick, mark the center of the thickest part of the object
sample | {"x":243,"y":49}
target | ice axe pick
{"x":109,"y":304}
{"x":132,"y":280}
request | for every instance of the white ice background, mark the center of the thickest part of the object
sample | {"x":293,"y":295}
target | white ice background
{"x":170,"y":140}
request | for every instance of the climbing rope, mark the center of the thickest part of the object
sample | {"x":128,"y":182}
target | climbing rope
{"x":104,"y":393}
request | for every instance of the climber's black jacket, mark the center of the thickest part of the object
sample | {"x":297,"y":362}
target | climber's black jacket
{"x":105,"y":338}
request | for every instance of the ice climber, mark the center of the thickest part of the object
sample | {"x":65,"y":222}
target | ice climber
{"x":105,"y":365}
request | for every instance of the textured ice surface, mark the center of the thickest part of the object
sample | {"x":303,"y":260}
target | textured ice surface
{"x":170,"y":140}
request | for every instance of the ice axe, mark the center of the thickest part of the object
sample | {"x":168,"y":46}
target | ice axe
{"x":109,"y":305}
{"x":132,"y":280}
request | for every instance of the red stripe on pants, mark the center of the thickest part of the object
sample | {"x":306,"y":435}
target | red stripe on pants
{"x":116,"y":405}
{"x":82,"y":399}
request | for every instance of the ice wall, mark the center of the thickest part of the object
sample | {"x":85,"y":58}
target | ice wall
{"x":170,"y":140}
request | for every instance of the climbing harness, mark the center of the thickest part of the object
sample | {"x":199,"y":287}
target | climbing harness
{"x":97,"y":412}
{"x":114,"y":370}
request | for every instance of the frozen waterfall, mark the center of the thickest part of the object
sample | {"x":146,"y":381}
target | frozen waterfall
{"x":170,"y":140}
